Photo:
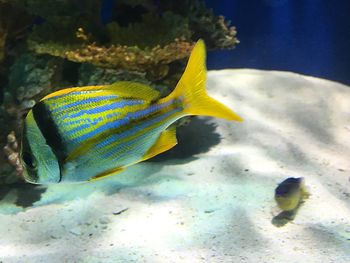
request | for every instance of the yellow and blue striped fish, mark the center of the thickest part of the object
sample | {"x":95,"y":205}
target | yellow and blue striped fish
{"x":85,"y":133}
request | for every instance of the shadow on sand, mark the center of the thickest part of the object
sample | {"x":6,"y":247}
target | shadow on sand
{"x":197,"y":137}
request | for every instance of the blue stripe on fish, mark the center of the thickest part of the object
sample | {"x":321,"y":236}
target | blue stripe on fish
{"x":84,"y":101}
{"x":115,"y":150}
{"x":149,"y":110}
{"x":130,"y":132}
{"x":120,"y":122}
{"x":85,"y":125}
{"x":135,"y":129}
{"x":99,"y":109}
{"x":109,"y":125}
{"x":89,"y":121}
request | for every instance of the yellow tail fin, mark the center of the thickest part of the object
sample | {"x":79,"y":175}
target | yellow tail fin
{"x":191,"y":88}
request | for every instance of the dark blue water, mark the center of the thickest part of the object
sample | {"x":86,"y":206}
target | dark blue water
{"x":306,"y":36}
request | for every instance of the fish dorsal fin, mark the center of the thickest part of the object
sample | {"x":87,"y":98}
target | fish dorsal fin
{"x":129,"y":89}
{"x":124,"y":89}
{"x":165,"y":141}
{"x":66,"y":91}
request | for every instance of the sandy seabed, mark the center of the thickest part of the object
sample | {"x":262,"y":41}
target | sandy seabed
{"x":210,"y":199}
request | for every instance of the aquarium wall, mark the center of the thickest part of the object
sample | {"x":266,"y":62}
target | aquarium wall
{"x":311,"y":37}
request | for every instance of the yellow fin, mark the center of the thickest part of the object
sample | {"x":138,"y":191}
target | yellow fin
{"x":191,"y":88}
{"x":70,"y":90}
{"x":108,"y":173}
{"x":135,"y":90}
{"x":125,"y":89}
{"x":166,"y":141}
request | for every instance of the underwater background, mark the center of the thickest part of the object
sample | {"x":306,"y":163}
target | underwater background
{"x":310,"y":37}
{"x":210,"y":198}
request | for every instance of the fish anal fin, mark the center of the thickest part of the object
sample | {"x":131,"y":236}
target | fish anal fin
{"x":166,"y":141}
{"x":107,"y":173}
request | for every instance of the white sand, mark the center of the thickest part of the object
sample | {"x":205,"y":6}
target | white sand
{"x":216,"y":206}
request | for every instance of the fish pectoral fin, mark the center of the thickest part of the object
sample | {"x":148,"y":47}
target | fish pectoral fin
{"x":136,"y":90}
{"x":107,"y":173}
{"x":166,"y":141}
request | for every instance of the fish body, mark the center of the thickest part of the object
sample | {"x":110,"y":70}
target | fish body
{"x":290,"y":193}
{"x":85,"y":133}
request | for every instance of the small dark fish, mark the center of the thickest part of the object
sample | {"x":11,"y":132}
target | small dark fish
{"x":290,"y":193}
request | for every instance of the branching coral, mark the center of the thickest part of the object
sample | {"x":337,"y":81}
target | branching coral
{"x":153,"y":60}
{"x":218,"y":33}
{"x":90,"y":75}
{"x":11,"y":151}
{"x":11,"y":169}
{"x":147,"y":45}
{"x":153,"y":30}
{"x":203,"y":23}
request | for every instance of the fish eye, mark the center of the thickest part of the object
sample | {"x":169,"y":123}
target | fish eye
{"x":28,"y":160}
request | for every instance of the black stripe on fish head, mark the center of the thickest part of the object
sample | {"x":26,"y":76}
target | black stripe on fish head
{"x":43,"y":118}
{"x":28,"y":157}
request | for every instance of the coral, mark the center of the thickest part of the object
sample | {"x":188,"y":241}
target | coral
{"x":218,"y":32}
{"x":90,"y":75}
{"x":11,"y":169}
{"x":30,"y":79}
{"x":153,"y":61}
{"x":203,"y":23}
{"x":58,"y":20}
{"x":148,"y":44}
{"x":152,"y":31}
{"x":54,"y":9}
{"x":11,"y":151}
